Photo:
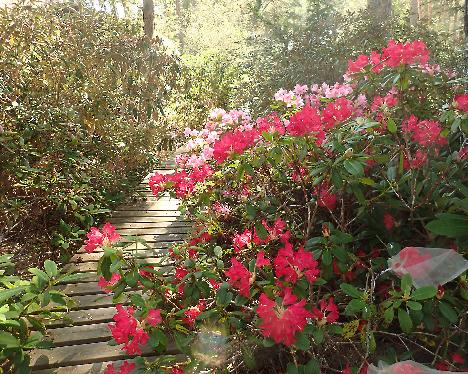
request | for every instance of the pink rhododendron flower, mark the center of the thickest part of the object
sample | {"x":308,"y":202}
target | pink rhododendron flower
{"x":154,"y":317}
{"x":300,"y":90}
{"x":98,"y":238}
{"x":389,"y":221}
{"x":461,"y":102}
{"x":125,"y":368}
{"x":239,"y":277}
{"x":327,"y":312}
{"x":406,"y":368}
{"x":282,"y":322}
{"x":294,"y":265}
{"x":105,"y":285}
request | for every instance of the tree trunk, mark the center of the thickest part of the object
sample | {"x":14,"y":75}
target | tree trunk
{"x":180,"y":19}
{"x":381,"y":9}
{"x":148,"y":18}
{"x":414,"y":12}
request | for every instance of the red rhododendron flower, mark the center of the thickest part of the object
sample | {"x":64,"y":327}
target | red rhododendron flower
{"x":325,"y":198}
{"x":461,"y":102}
{"x":346,"y":370}
{"x":387,"y":101}
{"x":442,"y":365}
{"x":177,"y":370}
{"x":107,"y":285}
{"x":98,"y":238}
{"x":336,"y":112}
{"x":239,"y":277}
{"x":408,"y":258}
{"x":126,"y":330}
{"x":327,"y":312}
{"x":418,"y":160}
{"x":271,"y":123}
{"x":408,"y":53}
{"x":261,"y":260}
{"x":154,"y":317}
{"x":457,"y":358}
{"x":389,"y":221}
{"x":125,"y":368}
{"x":193,"y":312}
{"x":180,"y":272}
{"x":306,"y":122}
{"x":242,"y":240}
{"x":357,"y":65}
{"x":294,"y":265}
{"x":405,"y":368}
{"x":425,"y":133}
{"x":282,"y":322}
{"x":233,"y":142}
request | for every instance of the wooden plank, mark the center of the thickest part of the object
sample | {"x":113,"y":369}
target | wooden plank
{"x":148,"y":219}
{"x":154,"y":230}
{"x":137,"y":246}
{"x":83,"y":354}
{"x":129,"y":214}
{"x":86,"y":317}
{"x":152,"y":225}
{"x":97,"y":367}
{"x":150,"y":205}
{"x":140,"y":253}
{"x":73,"y":335}
{"x":86,"y":267}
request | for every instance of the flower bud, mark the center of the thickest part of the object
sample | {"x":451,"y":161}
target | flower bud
{"x":349,"y":152}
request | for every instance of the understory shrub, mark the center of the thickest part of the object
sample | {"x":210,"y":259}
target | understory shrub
{"x":81,"y":93}
{"x":328,"y":234}
{"x":26,"y":306}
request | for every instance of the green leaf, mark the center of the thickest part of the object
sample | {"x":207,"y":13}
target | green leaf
{"x":312,"y":367}
{"x":302,"y":341}
{"x":391,"y":126}
{"x":406,"y":323}
{"x":354,"y":167}
{"x":388,"y":315}
{"x":11,"y":292}
{"x":427,"y":292}
{"x":406,"y":283}
{"x":414,"y":305}
{"x":318,"y":336}
{"x":354,"y":306}
{"x":448,"y":312}
{"x":261,"y":231}
{"x":51,"y":268}
{"x":8,"y":340}
{"x":350,"y":290}
{"x":450,"y":225}
{"x":327,"y":258}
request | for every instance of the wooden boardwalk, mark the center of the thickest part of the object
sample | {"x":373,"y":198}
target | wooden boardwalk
{"x":82,"y":348}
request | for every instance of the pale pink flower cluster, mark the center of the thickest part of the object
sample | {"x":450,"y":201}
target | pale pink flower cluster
{"x":290,"y":98}
{"x":199,"y":147}
{"x":331,"y":92}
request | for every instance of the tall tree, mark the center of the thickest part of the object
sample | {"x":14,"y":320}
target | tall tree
{"x":148,"y":17}
{"x":381,"y":9}
{"x":414,"y":11}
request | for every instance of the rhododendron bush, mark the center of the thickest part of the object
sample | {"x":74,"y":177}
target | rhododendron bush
{"x":296,"y":215}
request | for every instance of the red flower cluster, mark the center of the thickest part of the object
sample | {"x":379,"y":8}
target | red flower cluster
{"x":271,"y":123}
{"x":327,"y":312}
{"x":282,"y":322}
{"x":182,"y":182}
{"x":193,"y":312}
{"x":294,"y":265}
{"x":325,"y":198}
{"x":307,"y":122}
{"x":127,"y":329}
{"x":242,"y":240}
{"x":239,"y":277}
{"x":98,"y":238}
{"x":461,"y":102}
{"x":393,"y":55}
{"x":107,"y":285}
{"x":125,"y":368}
{"x":388,"y":221}
{"x":337,"y":111}
{"x":426,"y":133}
{"x":233,"y":142}
{"x":388,"y":101}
